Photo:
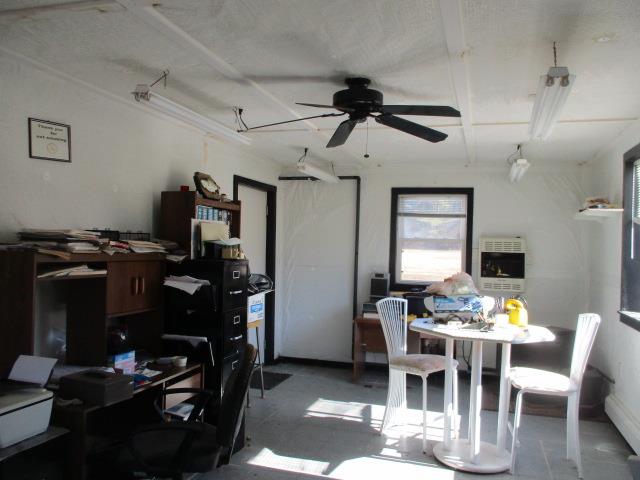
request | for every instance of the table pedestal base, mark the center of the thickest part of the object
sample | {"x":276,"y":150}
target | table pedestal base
{"x":489,"y":460}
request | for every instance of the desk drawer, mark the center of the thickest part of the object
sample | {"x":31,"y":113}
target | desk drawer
{"x":193,"y":381}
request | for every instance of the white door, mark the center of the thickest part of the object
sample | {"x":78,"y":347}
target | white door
{"x":253,"y":230}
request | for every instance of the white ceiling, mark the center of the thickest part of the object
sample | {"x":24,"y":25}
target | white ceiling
{"x":282,"y":51}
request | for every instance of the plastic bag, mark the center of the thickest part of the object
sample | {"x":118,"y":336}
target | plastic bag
{"x":460,"y":283}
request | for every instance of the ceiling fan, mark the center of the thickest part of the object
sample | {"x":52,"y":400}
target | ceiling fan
{"x":359,"y":102}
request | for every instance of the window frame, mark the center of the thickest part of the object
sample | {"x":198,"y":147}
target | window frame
{"x":630,"y":266}
{"x":395,"y":194}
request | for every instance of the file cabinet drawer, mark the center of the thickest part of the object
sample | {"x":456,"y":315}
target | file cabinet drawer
{"x":235,"y":274}
{"x":231,"y":364}
{"x":234,"y":297}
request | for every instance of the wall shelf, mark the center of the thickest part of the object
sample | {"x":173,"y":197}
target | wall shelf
{"x":599,"y":214}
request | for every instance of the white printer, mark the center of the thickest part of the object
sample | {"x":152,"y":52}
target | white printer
{"x":25,"y":407}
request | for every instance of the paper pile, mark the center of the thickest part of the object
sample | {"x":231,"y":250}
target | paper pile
{"x":185,"y":283}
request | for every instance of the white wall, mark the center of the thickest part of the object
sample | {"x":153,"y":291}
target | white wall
{"x":540,"y":208}
{"x":617,"y":348}
{"x":123,"y":156}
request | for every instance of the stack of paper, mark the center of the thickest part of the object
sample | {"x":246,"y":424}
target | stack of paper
{"x":56,"y":234}
{"x":72,"y":271}
{"x":141,"y":246}
{"x":60,"y":241}
{"x":185,"y":283}
{"x":80,"y":247}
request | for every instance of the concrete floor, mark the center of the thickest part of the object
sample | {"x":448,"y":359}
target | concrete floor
{"x":317,"y":424}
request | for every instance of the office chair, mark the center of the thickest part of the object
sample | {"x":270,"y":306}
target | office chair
{"x":169,"y":449}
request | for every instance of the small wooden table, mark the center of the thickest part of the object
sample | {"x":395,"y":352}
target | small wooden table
{"x":369,"y":337}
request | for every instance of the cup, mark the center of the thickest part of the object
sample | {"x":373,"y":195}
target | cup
{"x":180,"y":361}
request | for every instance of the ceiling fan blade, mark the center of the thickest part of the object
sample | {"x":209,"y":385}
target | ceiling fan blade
{"x":315,"y":105}
{"x":342,"y":133}
{"x":411,"y":128}
{"x":430,"y":110}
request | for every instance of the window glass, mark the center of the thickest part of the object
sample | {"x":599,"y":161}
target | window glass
{"x":431,"y":232}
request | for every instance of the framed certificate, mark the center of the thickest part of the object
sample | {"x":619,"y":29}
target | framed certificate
{"x":49,"y":140}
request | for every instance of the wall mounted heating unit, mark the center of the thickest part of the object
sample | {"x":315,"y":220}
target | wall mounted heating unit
{"x":502,"y":264}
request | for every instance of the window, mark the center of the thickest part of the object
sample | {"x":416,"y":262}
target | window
{"x":431,"y":232}
{"x":630,"y":291}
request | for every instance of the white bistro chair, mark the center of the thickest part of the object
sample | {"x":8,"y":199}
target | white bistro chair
{"x":531,"y":380}
{"x":393,"y":317}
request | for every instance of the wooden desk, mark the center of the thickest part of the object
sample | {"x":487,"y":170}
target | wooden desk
{"x":132,"y":287}
{"x":126,"y":414}
{"x":369,"y":337}
{"x":32,"y":448}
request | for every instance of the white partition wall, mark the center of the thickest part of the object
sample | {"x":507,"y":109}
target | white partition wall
{"x":317,"y":259}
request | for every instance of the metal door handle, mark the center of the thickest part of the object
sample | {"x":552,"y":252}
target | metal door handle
{"x":142,"y":286}
{"x":236,"y":274}
{"x":134,"y":286}
{"x":236,"y":320}
{"x":236,"y":338}
{"x":235,"y":292}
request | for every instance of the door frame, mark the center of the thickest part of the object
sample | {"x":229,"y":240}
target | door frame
{"x":270,"y":258}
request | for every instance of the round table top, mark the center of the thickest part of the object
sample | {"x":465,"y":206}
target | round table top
{"x":507,"y":334}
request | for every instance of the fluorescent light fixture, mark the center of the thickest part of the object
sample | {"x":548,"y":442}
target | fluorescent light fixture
{"x":553,"y":90}
{"x":518,"y":168}
{"x":144,"y":94}
{"x":317,"y":172}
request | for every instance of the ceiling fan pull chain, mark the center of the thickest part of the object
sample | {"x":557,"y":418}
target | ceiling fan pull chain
{"x":366,"y":143}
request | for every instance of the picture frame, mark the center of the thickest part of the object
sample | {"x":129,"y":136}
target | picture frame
{"x":207,"y":186}
{"x":49,"y":140}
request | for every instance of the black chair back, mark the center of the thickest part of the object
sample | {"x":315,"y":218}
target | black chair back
{"x":234,"y":401}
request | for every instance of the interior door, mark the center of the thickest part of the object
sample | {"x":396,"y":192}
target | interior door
{"x":317,"y":282}
{"x":253,"y":225}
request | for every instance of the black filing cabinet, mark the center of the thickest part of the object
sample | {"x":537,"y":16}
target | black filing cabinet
{"x":218,"y":312}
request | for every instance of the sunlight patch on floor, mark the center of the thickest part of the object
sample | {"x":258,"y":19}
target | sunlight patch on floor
{"x":408,"y":423}
{"x":383,"y":468}
{"x":267,"y":458}
{"x":390,"y":465}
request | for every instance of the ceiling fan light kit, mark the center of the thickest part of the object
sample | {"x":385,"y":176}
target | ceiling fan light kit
{"x":143,"y":94}
{"x":553,"y":91}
